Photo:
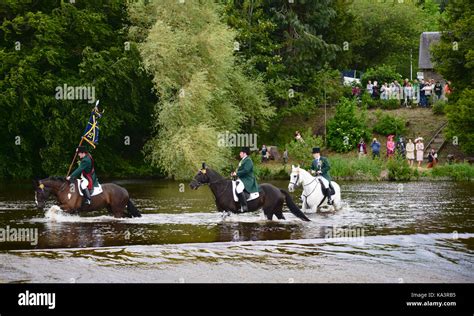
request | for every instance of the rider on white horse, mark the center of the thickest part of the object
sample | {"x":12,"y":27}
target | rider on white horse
{"x":320,"y":166}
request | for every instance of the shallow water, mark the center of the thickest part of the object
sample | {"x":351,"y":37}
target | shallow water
{"x":391,"y":232}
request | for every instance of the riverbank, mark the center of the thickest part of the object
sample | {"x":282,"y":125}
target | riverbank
{"x":348,"y":168}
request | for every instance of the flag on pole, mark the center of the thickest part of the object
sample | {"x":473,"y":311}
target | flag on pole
{"x":91,"y":133}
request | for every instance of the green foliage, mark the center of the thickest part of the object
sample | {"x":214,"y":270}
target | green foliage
{"x":77,"y":45}
{"x":357,"y":169}
{"x":202,"y":90}
{"x":454,"y":54}
{"x":300,"y":152}
{"x":458,"y":171}
{"x":386,"y":32}
{"x":388,"y":124}
{"x":461,"y":120}
{"x":347,"y":127}
{"x":399,"y":169}
{"x":381,"y":74}
{"x":439,"y":107}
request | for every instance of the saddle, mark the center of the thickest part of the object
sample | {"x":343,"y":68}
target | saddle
{"x":331,"y":188}
{"x":95,"y":190}
{"x":248,"y":196}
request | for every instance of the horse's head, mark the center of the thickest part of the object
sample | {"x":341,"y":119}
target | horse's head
{"x":295,"y":179}
{"x":41,"y":193}
{"x":202,"y":177}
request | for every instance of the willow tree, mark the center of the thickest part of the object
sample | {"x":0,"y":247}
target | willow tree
{"x":202,"y":91}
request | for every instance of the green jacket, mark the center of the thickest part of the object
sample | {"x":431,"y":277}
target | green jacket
{"x":245,"y":173}
{"x":85,"y":165}
{"x":323,"y":165}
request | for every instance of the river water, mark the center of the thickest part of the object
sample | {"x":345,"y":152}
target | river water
{"x":386,"y":232}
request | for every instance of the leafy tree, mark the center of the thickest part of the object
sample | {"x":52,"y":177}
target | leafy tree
{"x":389,"y":124}
{"x":454,"y":55}
{"x":387,"y":31}
{"x":381,"y":74}
{"x":347,"y":126}
{"x":46,"y":44}
{"x":202,"y":91}
{"x":461,"y":121}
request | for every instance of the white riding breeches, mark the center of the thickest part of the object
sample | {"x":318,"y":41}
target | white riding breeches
{"x":239,"y":186}
{"x":324,"y":181}
{"x":84,"y":183}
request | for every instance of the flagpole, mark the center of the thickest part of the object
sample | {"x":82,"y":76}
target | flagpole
{"x":80,"y":143}
{"x":74,"y":159}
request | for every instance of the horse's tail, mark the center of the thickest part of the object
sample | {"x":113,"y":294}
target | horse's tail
{"x":132,"y":210}
{"x":293,"y":208}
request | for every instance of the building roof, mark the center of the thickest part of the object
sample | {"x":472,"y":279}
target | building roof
{"x":424,"y":56}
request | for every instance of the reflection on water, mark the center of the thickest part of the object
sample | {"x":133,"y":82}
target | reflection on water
{"x":401,"y":224}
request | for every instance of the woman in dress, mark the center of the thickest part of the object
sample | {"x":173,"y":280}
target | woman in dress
{"x":410,"y":152}
{"x":420,"y":147}
{"x":390,"y":146}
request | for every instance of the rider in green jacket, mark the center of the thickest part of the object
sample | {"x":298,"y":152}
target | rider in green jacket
{"x":320,"y":166}
{"x":245,"y":174}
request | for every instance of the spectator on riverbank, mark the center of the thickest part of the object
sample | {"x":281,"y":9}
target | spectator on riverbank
{"x":428,"y":89}
{"x":408,"y":95}
{"x":375,"y":148}
{"x":420,"y":147}
{"x":401,"y":146}
{"x":285,"y":156}
{"x":361,"y":148}
{"x":422,"y":94}
{"x":432,"y":158}
{"x":447,"y":89}
{"x":390,"y":146}
{"x":416,"y":92}
{"x":438,"y":91}
{"x":410,"y":152}
{"x":264,"y":153}
{"x":375,"y":90}
{"x":384,"y":91}
{"x":370,"y":88}
{"x":298,"y":137}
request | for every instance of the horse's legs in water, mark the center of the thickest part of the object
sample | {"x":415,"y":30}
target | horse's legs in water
{"x":268,"y":213}
{"x":278,"y":210}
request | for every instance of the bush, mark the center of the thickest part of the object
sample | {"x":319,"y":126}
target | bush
{"x":438,"y":107}
{"x":380,"y":74}
{"x":363,"y":169}
{"x":461,"y":121}
{"x":300,"y":152}
{"x":459,"y":171}
{"x":367,"y":101}
{"x":390,"y":104}
{"x":347,"y":127}
{"x":398,"y":169}
{"x":389,"y":124}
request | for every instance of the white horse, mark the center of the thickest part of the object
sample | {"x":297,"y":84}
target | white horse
{"x":312,"y":195}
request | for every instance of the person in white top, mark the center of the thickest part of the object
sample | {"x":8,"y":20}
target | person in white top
{"x":370,"y":88}
{"x":408,"y":94}
{"x":410,"y":148}
{"x":420,"y":147}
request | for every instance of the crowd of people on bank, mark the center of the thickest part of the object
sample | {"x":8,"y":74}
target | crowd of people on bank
{"x":421,"y":93}
{"x":411,"y":150}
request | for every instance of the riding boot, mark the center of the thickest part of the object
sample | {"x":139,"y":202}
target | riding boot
{"x":243,"y":202}
{"x":87,"y":195}
{"x":328,"y":194}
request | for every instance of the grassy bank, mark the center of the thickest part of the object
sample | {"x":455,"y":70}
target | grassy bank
{"x":344,"y":167}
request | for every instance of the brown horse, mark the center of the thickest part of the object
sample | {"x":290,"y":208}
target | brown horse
{"x":114,"y":197}
{"x":271,"y":198}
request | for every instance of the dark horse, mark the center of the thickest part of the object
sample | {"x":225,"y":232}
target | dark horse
{"x":271,"y":198}
{"x":114,"y":197}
